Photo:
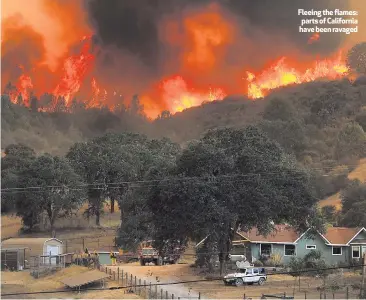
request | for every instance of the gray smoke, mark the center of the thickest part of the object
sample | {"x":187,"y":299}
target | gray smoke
{"x":132,"y":25}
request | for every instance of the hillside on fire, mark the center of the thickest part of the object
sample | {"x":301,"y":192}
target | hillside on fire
{"x":322,"y":124}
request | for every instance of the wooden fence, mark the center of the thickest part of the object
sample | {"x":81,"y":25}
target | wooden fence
{"x":139,"y":287}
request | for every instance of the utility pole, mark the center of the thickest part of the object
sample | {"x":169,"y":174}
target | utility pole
{"x":363,"y":290}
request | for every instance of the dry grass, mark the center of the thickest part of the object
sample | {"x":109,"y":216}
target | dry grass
{"x":358,"y":173}
{"x":76,"y":232}
{"x":10,"y":226}
{"x":15,"y":282}
{"x":276,"y":284}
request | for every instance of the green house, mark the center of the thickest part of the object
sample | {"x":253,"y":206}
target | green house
{"x":337,"y":245}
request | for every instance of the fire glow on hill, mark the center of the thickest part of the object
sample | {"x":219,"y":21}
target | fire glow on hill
{"x":201,"y":53}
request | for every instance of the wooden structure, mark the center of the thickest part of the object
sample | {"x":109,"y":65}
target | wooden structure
{"x":35,"y":246}
{"x":79,"y":280}
{"x":13,"y":259}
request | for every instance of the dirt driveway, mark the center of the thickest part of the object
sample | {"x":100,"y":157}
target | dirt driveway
{"x":276,"y":284}
{"x":165,"y":274}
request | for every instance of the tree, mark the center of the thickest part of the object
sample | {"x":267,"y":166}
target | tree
{"x":351,"y":141}
{"x":278,"y":109}
{"x":356,"y":58}
{"x":57,"y":189}
{"x":89,"y":164}
{"x":17,"y":158}
{"x":136,"y":108}
{"x":236,"y":179}
{"x":112,"y":161}
{"x":33,"y":104}
{"x":329,"y":212}
{"x":354,"y":204}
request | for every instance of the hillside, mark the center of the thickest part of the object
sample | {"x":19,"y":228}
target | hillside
{"x":358,"y":173}
{"x":321,"y":123}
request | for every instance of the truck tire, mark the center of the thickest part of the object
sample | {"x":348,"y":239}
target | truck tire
{"x":159,"y":261}
{"x":261,"y":281}
{"x":142,"y":262}
{"x":239,"y":282}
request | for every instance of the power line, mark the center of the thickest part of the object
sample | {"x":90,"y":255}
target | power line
{"x":108,"y":185}
{"x":180,"y":282}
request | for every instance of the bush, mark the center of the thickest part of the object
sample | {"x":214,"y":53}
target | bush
{"x":258,"y":263}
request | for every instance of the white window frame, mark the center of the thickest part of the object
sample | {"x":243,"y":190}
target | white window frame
{"x":337,"y":247}
{"x":284,"y":249}
{"x":313,"y":247}
{"x":260,"y":248}
{"x":359,"y":251}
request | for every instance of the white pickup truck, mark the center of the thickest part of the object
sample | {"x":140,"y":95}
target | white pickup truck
{"x":247,"y":275}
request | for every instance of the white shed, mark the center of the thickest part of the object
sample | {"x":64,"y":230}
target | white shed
{"x":35,"y":246}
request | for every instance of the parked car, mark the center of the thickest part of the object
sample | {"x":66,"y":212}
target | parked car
{"x":248,"y":276}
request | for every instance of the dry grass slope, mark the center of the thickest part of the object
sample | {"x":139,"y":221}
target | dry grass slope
{"x":358,"y":173}
{"x":17,"y":282}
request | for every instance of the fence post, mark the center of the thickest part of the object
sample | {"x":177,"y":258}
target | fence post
{"x":199,"y":295}
{"x":114,"y":275}
{"x":131,"y":280}
{"x":135,"y":283}
{"x":161,"y":294}
{"x":156,"y":292}
{"x":166,"y":294}
{"x":305,"y":295}
{"x":150,"y":291}
{"x":122,"y":276}
{"x":244,"y":296}
{"x":347,"y":294}
{"x":126,"y":279}
{"x":140,"y":288}
{"x":172,"y":296}
{"x":83,"y":244}
{"x":118,"y":275}
{"x":145,"y":287}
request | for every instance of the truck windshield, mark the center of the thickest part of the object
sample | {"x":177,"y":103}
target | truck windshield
{"x":148,"y":251}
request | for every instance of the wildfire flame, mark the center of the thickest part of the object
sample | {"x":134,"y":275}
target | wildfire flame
{"x":280,"y":74}
{"x":175,"y":91}
{"x":315,"y":37}
{"x":204,"y":42}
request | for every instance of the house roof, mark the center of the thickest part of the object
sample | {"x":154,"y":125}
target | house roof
{"x":281,"y":234}
{"x":287,"y":234}
{"x":341,"y":235}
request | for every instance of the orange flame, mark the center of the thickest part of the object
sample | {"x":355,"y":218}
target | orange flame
{"x":179,"y":96}
{"x":280,"y":74}
{"x":75,"y":69}
{"x":315,"y":37}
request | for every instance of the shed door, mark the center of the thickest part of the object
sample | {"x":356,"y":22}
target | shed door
{"x":54,"y":250}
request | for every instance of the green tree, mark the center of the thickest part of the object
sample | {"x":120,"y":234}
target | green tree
{"x":55,"y":189}
{"x":361,"y":119}
{"x":354,"y":204}
{"x":329,"y":212}
{"x":279,"y":110}
{"x":17,"y":158}
{"x":236,"y":179}
{"x":356,"y":58}
{"x":351,"y":141}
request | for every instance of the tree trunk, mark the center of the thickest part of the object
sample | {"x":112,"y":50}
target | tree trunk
{"x":112,"y":205}
{"x":97,"y":213}
{"x":226,"y":246}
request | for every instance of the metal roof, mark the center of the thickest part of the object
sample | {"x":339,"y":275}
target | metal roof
{"x":20,"y":242}
{"x":84,"y":278}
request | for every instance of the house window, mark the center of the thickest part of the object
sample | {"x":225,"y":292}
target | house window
{"x":355,"y":252}
{"x":266,"y":249}
{"x":311,"y":247}
{"x":337,"y":250}
{"x":290,"y":250}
